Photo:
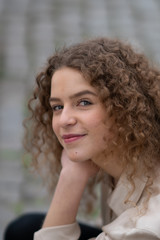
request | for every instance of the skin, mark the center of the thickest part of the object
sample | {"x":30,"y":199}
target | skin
{"x":83,"y":128}
{"x":83,"y":115}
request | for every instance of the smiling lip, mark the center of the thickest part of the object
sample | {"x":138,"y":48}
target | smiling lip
{"x":68,"y":138}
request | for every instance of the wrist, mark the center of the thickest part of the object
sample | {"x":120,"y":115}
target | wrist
{"x":72,"y":176}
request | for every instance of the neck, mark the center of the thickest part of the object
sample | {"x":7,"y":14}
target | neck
{"x":110,"y":164}
{"x":114,"y":169}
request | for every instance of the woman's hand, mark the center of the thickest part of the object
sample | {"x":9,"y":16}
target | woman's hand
{"x":80,"y":169}
{"x":72,"y":182}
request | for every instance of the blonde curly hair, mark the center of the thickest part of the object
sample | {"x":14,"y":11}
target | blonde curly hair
{"x":128,"y":86}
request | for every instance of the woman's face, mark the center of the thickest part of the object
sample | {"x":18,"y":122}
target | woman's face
{"x":79,"y":119}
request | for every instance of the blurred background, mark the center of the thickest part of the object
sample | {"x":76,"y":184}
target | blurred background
{"x":30,"y":30}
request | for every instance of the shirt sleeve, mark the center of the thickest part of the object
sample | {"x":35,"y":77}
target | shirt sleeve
{"x":72,"y":232}
{"x":137,"y":234}
{"x":65,"y":232}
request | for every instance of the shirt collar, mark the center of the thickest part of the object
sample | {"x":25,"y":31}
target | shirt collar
{"x":117,"y":200}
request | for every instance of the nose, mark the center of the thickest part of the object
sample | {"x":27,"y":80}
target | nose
{"x":67,"y":118}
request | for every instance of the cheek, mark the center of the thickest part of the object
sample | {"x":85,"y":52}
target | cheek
{"x":96,"y":119}
{"x":98,"y":123}
{"x":55,"y":126}
{"x":99,"y":131}
{"x":103,"y":129}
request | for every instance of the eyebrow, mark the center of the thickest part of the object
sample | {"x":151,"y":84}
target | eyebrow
{"x":79,"y":94}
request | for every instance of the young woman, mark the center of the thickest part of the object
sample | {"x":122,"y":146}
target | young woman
{"x":96,"y":108}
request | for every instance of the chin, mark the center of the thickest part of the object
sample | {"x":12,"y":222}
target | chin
{"x":75,"y":156}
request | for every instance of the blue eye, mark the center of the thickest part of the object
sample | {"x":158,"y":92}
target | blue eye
{"x":84,"y":103}
{"x":57,"y":108}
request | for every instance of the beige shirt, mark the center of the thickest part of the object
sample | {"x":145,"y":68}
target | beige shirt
{"x":130,"y":222}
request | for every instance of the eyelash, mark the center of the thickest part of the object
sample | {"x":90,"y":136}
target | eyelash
{"x":84,"y":101}
{"x":60,"y":107}
{"x":54,"y":108}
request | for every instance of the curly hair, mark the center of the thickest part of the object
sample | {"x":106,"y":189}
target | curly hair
{"x":128,"y":86}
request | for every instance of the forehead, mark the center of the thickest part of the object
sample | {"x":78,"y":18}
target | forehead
{"x":66,"y":73}
{"x":69,"y":80}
